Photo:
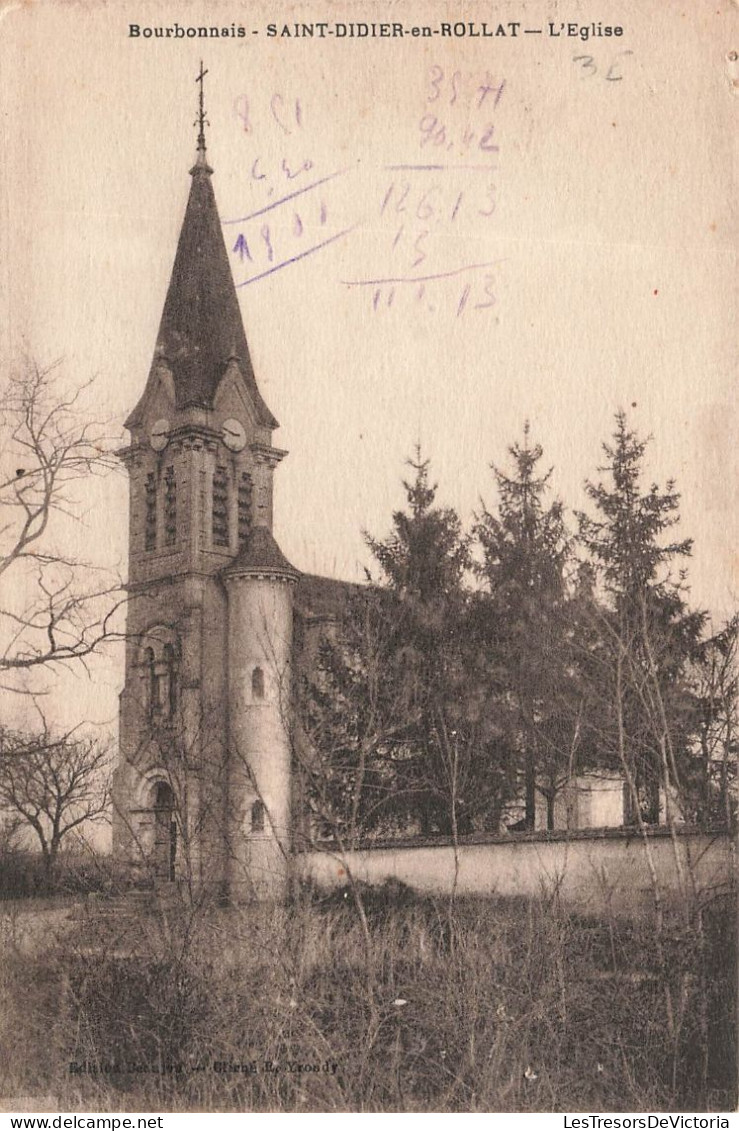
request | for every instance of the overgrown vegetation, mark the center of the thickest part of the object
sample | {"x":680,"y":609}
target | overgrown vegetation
{"x":478,"y":674}
{"x":491,"y":1005}
{"x":24,"y":874}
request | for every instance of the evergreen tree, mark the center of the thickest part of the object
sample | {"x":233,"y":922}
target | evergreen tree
{"x":403,"y":724}
{"x":524,"y":618}
{"x":422,"y":563}
{"x":377,"y":709}
{"x":425,"y":557}
{"x":645,"y":638}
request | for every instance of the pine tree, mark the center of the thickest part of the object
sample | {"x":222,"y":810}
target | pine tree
{"x":425,"y":557}
{"x":422,"y":563}
{"x":524,"y":617}
{"x":645,"y":713}
{"x":389,"y":707}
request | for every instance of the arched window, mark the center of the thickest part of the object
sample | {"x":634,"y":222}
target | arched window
{"x":159,"y":664}
{"x":257,"y":684}
{"x":169,"y":660}
{"x":163,"y":797}
{"x":152,"y":680}
{"x":165,"y":835}
{"x":257,"y":817}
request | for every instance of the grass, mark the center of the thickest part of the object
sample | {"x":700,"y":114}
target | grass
{"x":494,"y":1005}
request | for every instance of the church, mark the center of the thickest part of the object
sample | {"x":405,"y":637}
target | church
{"x":203,"y":790}
{"x":219,"y":622}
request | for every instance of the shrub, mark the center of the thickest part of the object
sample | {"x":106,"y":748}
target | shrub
{"x":491,"y":1005}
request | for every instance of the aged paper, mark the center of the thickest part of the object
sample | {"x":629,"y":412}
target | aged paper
{"x":575,"y":248}
{"x":443,"y":220}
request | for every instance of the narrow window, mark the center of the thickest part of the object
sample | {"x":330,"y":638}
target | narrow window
{"x":244,"y":497}
{"x":170,"y":507}
{"x":150,"y":526}
{"x":152,"y":681}
{"x":220,"y":507}
{"x":257,"y":684}
{"x":169,"y":660}
{"x":165,"y":833}
{"x":257,"y":817}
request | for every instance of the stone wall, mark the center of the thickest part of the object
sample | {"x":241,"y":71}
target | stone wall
{"x":590,"y":869}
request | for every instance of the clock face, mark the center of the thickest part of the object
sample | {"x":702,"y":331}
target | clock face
{"x":234,"y":435}
{"x":159,"y":435}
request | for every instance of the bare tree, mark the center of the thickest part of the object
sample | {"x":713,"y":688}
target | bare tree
{"x":717,"y":691}
{"x":54,"y":608}
{"x":351,"y":715}
{"x":54,"y":784}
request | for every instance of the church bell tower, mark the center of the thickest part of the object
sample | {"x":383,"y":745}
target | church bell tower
{"x":202,"y":788}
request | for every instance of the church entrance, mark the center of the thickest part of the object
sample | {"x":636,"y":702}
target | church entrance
{"x":165,"y":834}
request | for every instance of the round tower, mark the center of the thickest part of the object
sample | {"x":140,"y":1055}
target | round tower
{"x":259,"y":585}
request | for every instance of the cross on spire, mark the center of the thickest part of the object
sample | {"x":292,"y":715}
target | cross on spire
{"x":201,"y":121}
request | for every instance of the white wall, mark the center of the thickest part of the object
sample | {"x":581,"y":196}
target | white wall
{"x":590,"y":871}
{"x":589,"y":801}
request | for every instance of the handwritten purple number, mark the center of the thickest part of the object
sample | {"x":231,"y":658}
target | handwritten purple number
{"x":436,"y":79}
{"x":273,"y":103}
{"x":428,"y":126}
{"x":242,"y":247}
{"x":277,"y":104}
{"x":463,"y":299}
{"x":491,"y":191}
{"x":304,"y":168}
{"x":487,"y":288}
{"x":419,"y":250}
{"x":486,"y":141}
{"x":241,"y":107}
{"x":400,"y":203}
{"x":265,"y":234}
{"x":435,"y":82}
{"x":400,"y":206}
{"x":426,"y":210}
{"x":487,"y":89}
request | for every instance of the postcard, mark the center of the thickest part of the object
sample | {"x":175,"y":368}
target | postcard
{"x":368,"y":564}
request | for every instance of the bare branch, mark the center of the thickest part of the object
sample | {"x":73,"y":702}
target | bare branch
{"x":50,"y":448}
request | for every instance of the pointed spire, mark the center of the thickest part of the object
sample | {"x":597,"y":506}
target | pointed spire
{"x":201,"y":332}
{"x":201,"y":122}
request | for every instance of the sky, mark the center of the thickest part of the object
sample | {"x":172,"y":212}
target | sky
{"x":434,"y":239}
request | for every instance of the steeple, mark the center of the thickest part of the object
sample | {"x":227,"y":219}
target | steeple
{"x":201,"y":121}
{"x":201,"y":330}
